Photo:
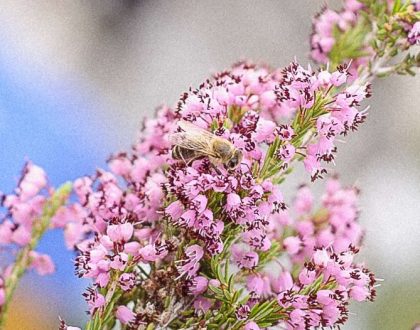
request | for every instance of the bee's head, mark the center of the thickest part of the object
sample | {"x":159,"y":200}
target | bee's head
{"x":235,"y":160}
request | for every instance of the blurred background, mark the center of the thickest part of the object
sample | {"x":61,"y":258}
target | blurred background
{"x":77,"y":77}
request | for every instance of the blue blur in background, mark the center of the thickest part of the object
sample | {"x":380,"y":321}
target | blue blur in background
{"x":44,"y":119}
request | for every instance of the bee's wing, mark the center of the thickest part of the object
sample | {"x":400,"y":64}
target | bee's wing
{"x":189,"y":127}
{"x":194,"y":138}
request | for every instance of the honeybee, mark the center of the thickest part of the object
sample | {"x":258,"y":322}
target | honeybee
{"x":195,"y":142}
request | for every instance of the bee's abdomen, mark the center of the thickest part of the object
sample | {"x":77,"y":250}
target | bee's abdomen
{"x":176,"y":153}
{"x":180,"y":153}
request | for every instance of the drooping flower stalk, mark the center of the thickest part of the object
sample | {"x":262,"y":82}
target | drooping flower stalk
{"x":26,"y":256}
{"x":370,"y":34}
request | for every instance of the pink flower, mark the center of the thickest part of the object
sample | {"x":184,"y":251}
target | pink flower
{"x":312,"y":164}
{"x":143,"y":234}
{"x":255,"y":285}
{"x":127,"y":281}
{"x":324,"y":297}
{"x":73,"y":234}
{"x":102,"y":279}
{"x":286,"y":152}
{"x":324,"y":78}
{"x":292,"y":244}
{"x":34,"y":179}
{"x":242,"y":312}
{"x":265,"y":131}
{"x":120,"y":165}
{"x":248,"y":260}
{"x":199,"y":203}
{"x":304,"y":200}
{"x":233,"y":201}
{"x":321,"y":257}
{"x":120,"y":232}
{"x":132,"y":248}
{"x":251,"y":325}
{"x":175,"y":209}
{"x":214,"y":282}
{"x":94,"y":299}
{"x":124,"y":314}
{"x":202,"y":304}
{"x":42,"y":263}
{"x":21,"y":236}
{"x":353,"y":5}
{"x":152,"y":253}
{"x":23,"y":213}
{"x":286,"y":132}
{"x":188,"y":218}
{"x":296,"y":316}
{"x":331,"y":312}
{"x":190,"y":266}
{"x":83,"y":187}
{"x":339,"y":77}
{"x":283,"y":282}
{"x":6,"y":232}
{"x":119,"y":261}
{"x":306,"y":276}
{"x":414,"y":34}
{"x":257,"y":238}
{"x":359,"y":293}
{"x":198,"y":285}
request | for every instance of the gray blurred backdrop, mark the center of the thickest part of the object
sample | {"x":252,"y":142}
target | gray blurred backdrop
{"x":135,"y":55}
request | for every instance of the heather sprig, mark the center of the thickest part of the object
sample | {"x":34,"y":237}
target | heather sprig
{"x":370,"y":35}
{"x":29,"y":211}
{"x":170,"y":244}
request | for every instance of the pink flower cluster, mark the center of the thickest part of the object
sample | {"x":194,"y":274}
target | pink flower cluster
{"x":334,"y":225}
{"x":23,"y":207}
{"x":131,"y":190}
{"x":414,"y":33}
{"x":233,"y":106}
{"x":321,"y":254}
{"x":412,"y":27}
{"x":338,"y":115}
{"x":119,"y":225}
{"x":262,"y":103}
{"x":21,"y":210}
{"x":325,"y":25}
{"x":113,"y":226}
{"x":190,"y":185}
{"x":330,"y":24}
{"x":325,"y":286}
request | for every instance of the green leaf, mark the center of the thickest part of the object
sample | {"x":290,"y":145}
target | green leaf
{"x":397,"y":6}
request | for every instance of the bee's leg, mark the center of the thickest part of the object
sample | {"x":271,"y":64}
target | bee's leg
{"x":217,"y":170}
{"x":189,"y":161}
{"x":182,"y":158}
{"x":193,"y":156}
{"x":186,"y":162}
{"x":247,"y":165}
{"x":214,"y":162}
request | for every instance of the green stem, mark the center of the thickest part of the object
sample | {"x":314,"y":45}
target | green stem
{"x":23,"y":259}
{"x":104,"y":317}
